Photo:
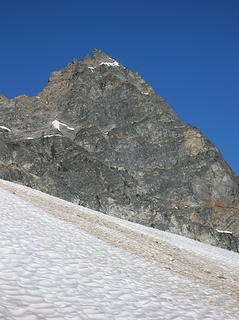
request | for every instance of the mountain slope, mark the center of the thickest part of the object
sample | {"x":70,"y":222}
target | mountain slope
{"x":98,"y":136}
{"x":55,"y":269}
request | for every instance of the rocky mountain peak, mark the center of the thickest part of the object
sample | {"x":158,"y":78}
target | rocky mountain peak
{"x":102,"y":72}
{"x":87,"y":60}
{"x":99,"y":56}
{"x":99,"y":136}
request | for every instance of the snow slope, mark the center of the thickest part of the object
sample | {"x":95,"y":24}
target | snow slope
{"x":53,"y":269}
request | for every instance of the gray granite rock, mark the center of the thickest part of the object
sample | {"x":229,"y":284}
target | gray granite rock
{"x":99,"y":136}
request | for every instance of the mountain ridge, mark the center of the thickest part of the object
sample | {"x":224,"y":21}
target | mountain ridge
{"x":99,"y":136}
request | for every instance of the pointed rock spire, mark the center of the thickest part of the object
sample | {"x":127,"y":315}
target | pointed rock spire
{"x":87,"y":59}
{"x":99,"y":56}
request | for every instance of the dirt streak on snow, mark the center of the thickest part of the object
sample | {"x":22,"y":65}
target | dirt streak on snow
{"x":211,"y":266}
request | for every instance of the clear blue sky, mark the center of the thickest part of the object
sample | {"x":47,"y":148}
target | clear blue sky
{"x":188,"y":50}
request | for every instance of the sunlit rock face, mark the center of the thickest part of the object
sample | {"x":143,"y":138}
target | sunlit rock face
{"x":99,"y":136}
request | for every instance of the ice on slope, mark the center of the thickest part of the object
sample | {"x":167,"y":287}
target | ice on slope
{"x":50,"y":269}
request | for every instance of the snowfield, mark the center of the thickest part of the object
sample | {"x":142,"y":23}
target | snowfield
{"x":62,"y":261}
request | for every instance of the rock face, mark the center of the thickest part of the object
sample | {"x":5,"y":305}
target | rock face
{"x":99,"y":136}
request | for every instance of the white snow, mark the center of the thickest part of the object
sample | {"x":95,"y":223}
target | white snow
{"x":52,"y":135}
{"x":113,"y":63}
{"x":51,"y":269}
{"x":5,"y":128}
{"x":56,"y":124}
{"x":222,"y":231}
{"x":91,"y":68}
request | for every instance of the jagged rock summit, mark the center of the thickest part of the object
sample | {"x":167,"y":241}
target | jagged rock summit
{"x":97,"y":135}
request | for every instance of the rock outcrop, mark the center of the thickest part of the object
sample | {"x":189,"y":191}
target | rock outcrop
{"x":98,"y":135}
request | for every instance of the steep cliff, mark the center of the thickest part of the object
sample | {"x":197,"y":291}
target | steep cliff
{"x":99,"y":136}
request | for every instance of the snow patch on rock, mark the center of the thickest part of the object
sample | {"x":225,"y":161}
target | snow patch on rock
{"x":56,"y":124}
{"x":111,"y":64}
{"x":223,"y":231}
{"x":52,"y":135}
{"x":5,"y":128}
{"x":91,"y":69}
